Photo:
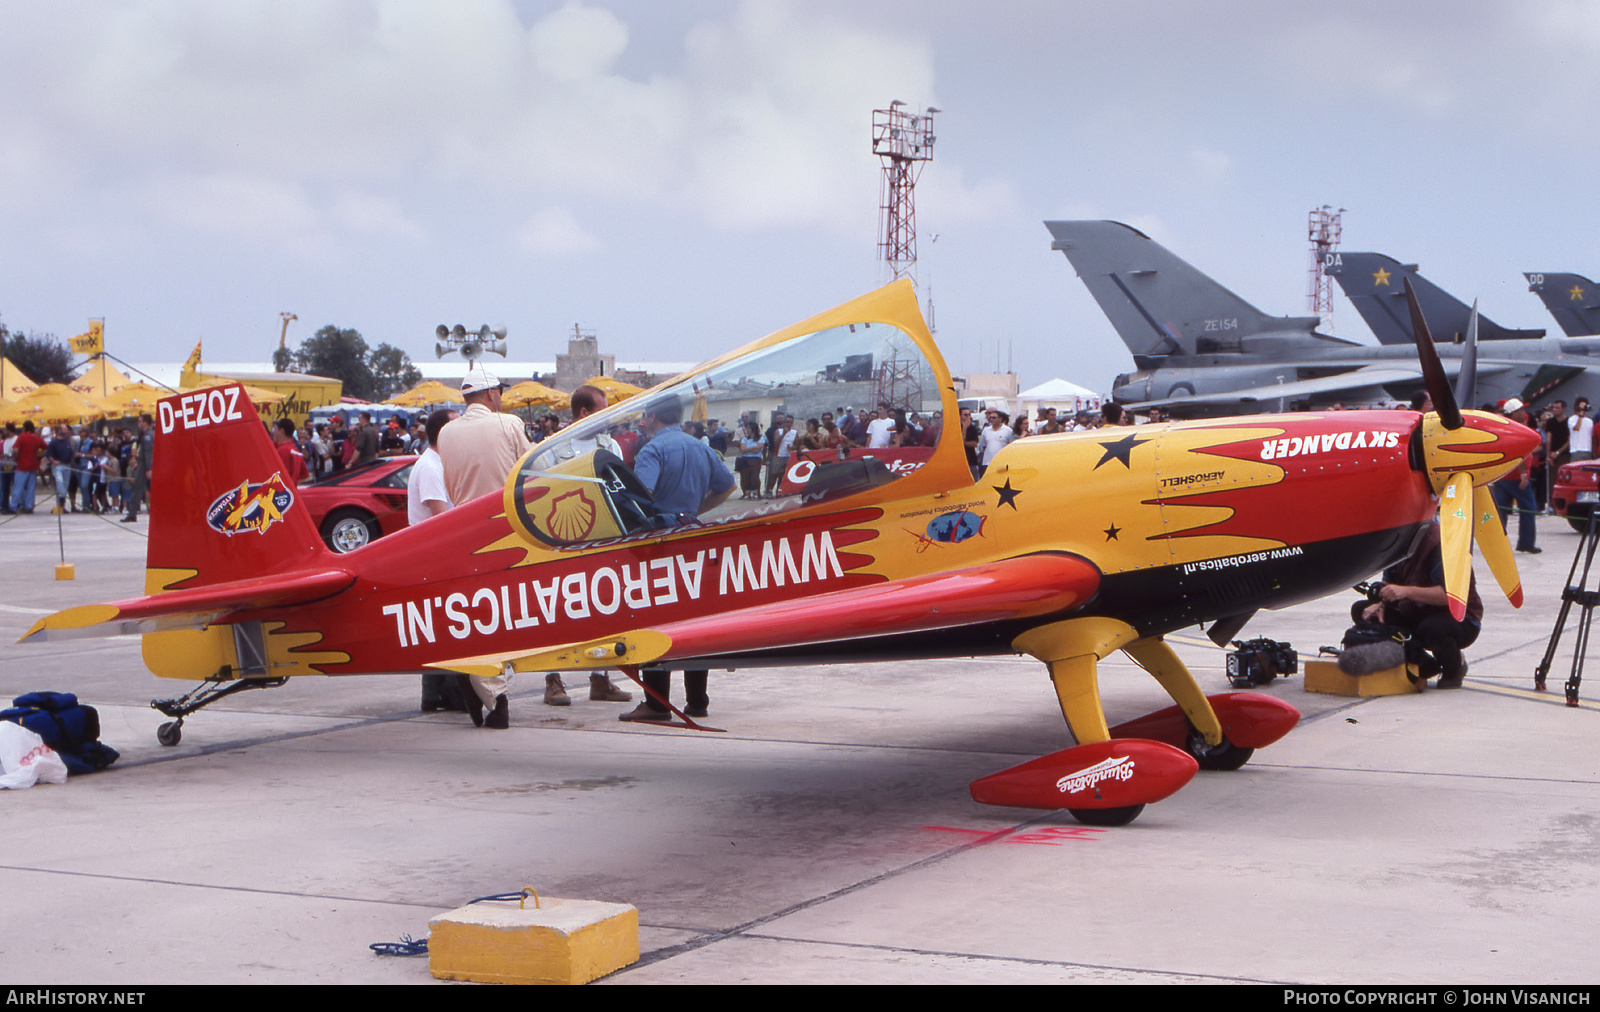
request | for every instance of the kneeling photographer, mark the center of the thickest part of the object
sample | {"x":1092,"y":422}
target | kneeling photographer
{"x":1411,"y":599}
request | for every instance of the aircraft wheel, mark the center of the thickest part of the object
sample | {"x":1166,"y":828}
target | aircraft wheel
{"x":1226,"y":756}
{"x":1579,"y":524}
{"x":348,"y":529}
{"x":1106,"y":816}
{"x":170,"y":733}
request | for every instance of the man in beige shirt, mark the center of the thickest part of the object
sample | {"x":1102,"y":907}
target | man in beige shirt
{"x":479,"y":449}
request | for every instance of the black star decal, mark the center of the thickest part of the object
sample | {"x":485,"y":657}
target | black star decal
{"x":1008,"y":495}
{"x":1112,"y":532}
{"x":1120,"y":449}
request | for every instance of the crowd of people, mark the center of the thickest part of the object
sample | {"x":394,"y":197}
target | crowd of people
{"x":88,"y":470}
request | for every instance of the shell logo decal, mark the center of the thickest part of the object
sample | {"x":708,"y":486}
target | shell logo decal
{"x":250,"y":507}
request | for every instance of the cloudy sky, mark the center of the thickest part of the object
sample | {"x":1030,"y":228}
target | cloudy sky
{"x":681,"y":177}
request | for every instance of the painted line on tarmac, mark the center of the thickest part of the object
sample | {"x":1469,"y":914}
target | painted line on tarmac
{"x":20,"y":610}
{"x":1026,"y":960}
{"x":738,"y":930}
{"x":1532,"y":695}
{"x":222,"y":888}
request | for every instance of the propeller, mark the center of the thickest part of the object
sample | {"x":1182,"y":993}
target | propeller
{"x":1463,"y":453}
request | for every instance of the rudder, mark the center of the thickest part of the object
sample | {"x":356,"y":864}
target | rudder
{"x":220,"y":508}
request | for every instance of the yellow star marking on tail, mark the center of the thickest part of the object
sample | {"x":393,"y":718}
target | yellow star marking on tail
{"x":1380,"y":277}
{"x":1576,"y":293}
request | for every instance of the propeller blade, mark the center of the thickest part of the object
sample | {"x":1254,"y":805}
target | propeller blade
{"x":1494,"y":545}
{"x":1456,"y":511}
{"x":1467,"y":382}
{"x":1444,"y":401}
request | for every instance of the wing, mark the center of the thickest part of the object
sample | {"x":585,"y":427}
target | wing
{"x":1369,"y":378}
{"x":1024,"y":587}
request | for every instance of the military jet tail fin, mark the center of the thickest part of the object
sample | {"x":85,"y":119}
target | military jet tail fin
{"x":1572,"y":299}
{"x":1158,"y":303}
{"x":1375,"y":285}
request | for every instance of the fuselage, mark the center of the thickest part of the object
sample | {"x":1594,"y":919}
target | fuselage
{"x":1185,"y":523}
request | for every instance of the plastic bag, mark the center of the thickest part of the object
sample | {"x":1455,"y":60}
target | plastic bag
{"x":26,"y":760}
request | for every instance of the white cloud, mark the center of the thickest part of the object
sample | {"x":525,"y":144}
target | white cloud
{"x":555,"y":231}
{"x":763,"y":122}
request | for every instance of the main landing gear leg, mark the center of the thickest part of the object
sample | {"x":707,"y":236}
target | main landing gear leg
{"x":1206,"y":741}
{"x":1073,"y":651}
{"x":204,"y":694}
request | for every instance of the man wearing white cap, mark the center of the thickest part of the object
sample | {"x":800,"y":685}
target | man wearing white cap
{"x":479,"y":449}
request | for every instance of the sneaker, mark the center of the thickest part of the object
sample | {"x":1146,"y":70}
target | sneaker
{"x":130,"y":520}
{"x":500,"y":718}
{"x":695,"y":711}
{"x":1531,"y":551}
{"x":644,"y":712}
{"x":602,"y":690}
{"x":555,"y":694}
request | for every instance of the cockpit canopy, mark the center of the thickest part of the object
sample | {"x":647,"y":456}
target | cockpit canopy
{"x":870,"y":381}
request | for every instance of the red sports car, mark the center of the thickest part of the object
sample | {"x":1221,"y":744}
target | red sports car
{"x":1576,"y":492}
{"x":357,"y":506}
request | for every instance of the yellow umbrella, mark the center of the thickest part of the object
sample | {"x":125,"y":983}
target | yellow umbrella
{"x":425,"y":393}
{"x":133,"y":399}
{"x":528,"y":393}
{"x":14,"y":383}
{"x":616,"y":391}
{"x":100,"y":380}
{"x":51,"y":404}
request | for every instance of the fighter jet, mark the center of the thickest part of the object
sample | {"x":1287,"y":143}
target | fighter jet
{"x":1199,"y":349}
{"x":1572,"y":299}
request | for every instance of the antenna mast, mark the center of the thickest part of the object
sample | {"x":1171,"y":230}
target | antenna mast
{"x":903,"y":141}
{"x":1324,"y":230}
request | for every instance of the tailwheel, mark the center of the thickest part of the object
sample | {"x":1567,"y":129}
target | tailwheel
{"x":1106,"y":816}
{"x":204,"y":694}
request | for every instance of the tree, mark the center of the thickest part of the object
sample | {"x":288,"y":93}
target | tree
{"x":392,"y":371}
{"x":43,"y":358}
{"x":338,"y":354}
{"x":343,"y":355}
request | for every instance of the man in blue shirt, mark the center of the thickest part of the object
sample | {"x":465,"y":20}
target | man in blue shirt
{"x":685,"y":477}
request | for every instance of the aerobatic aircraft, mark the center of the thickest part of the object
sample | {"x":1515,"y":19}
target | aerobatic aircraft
{"x":1070,"y":547}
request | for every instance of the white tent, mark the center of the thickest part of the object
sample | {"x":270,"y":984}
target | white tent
{"x":1066,"y":397}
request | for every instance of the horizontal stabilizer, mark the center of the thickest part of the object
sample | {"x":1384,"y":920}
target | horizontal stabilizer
{"x":1025,"y":587}
{"x":195,"y":608}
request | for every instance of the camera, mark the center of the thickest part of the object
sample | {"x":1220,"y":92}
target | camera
{"x":1259,"y":661}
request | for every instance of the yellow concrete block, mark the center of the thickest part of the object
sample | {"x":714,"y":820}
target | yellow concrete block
{"x":1325,"y":676}
{"x":560,"y":942}
{"x":64,"y":571}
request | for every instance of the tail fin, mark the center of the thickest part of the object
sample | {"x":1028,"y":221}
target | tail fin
{"x":1375,"y":285}
{"x":1572,"y":299}
{"x":1158,"y":303}
{"x":220,"y":508}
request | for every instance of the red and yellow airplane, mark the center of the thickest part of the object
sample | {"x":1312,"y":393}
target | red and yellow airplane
{"x":1071,"y":547}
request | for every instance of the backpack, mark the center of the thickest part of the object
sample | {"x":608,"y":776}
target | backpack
{"x":66,"y":725}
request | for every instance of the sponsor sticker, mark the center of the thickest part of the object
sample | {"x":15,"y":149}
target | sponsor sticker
{"x":250,"y":507}
{"x":1114,"y":768}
